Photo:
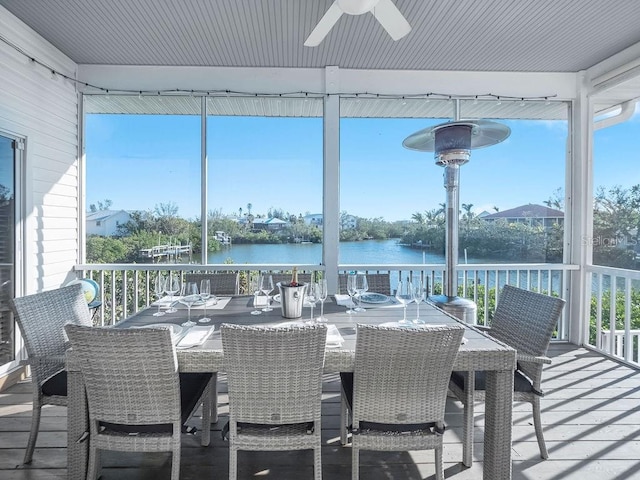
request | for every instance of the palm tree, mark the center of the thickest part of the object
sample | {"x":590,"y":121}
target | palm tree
{"x":419,"y":218}
{"x":240,"y":212}
{"x":468,"y":214}
{"x":249,"y":208}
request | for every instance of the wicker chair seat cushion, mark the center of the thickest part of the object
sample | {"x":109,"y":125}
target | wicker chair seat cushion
{"x":56,"y":385}
{"x":256,"y":429}
{"x":192,"y":387}
{"x":520,"y":382}
{"x":123,"y":429}
{"x":347,"y":385}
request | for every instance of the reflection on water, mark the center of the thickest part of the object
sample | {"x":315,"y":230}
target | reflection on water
{"x":378,"y":252}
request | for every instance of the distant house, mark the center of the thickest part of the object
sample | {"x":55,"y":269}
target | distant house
{"x":530,"y":214}
{"x":106,"y":222}
{"x":313,"y":219}
{"x":272,"y":224}
{"x":348,"y":222}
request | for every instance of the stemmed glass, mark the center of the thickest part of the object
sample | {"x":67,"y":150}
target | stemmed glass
{"x":312,"y":297}
{"x":190,"y":296}
{"x":322,"y":295}
{"x":266,"y":287}
{"x":361,"y":287}
{"x":205,"y":295}
{"x":404,"y":295}
{"x":158,"y":289}
{"x":254,"y":287}
{"x":418,"y":297}
{"x":172,"y":286}
{"x":351,"y":290}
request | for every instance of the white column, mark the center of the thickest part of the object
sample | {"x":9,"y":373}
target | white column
{"x":331,"y":179}
{"x":579,"y":213}
{"x":204,"y":241}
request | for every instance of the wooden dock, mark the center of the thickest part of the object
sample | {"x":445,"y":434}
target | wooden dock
{"x":223,"y":238}
{"x":164,"y":251}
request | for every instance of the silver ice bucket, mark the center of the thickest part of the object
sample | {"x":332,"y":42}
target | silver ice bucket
{"x":291,"y":300}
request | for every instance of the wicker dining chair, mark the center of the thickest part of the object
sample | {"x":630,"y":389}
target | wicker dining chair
{"x":398,"y":389}
{"x":525,"y":321}
{"x":221,"y":283}
{"x":274,"y":379}
{"x":377,"y":282}
{"x":41,"y":318}
{"x":136,"y":399}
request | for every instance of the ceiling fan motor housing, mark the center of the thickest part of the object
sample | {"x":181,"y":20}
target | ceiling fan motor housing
{"x":356,"y":7}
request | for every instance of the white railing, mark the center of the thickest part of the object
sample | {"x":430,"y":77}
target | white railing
{"x":615,"y":343}
{"x":127,"y":288}
{"x":621,"y":337}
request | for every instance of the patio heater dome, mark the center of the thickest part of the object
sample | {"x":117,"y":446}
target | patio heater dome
{"x":460,"y":136}
{"x":452,"y":143}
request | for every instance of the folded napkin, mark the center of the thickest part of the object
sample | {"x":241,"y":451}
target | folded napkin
{"x":334,"y":339}
{"x":195,"y":336}
{"x":217,"y":303}
{"x":214,"y":303}
{"x":344,"y":300}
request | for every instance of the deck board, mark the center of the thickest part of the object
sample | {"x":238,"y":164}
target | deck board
{"x":590,"y":413}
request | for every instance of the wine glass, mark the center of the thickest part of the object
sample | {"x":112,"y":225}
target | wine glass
{"x":361,"y":287}
{"x":404,"y":295}
{"x":351,"y":290}
{"x":205,"y":295}
{"x":158,"y":289}
{"x":266,"y":287}
{"x":254,"y":287}
{"x":312,"y":297}
{"x":172,"y":286}
{"x":418,"y":297}
{"x":322,"y":295}
{"x":189,"y":296}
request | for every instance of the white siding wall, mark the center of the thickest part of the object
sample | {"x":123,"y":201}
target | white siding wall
{"x":45,"y":112}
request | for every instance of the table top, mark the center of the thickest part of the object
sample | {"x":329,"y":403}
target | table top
{"x":479,"y":352}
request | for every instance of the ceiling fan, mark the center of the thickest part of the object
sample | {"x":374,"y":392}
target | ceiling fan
{"x":384,"y":11}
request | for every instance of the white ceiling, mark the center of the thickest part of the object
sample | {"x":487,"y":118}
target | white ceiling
{"x":471,"y":35}
{"x":446,"y":35}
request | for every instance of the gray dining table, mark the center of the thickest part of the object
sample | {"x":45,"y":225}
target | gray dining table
{"x":478,"y":352}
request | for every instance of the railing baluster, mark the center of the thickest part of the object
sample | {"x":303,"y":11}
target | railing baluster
{"x":628,"y":347}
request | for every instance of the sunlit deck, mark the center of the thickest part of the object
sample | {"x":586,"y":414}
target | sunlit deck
{"x":591,"y":414}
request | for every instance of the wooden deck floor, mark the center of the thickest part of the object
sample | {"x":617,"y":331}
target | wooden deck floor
{"x":591,"y":414}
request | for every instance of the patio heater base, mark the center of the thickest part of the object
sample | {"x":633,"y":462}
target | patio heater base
{"x":461,"y":308}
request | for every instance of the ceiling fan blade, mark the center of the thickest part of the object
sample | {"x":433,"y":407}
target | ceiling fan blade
{"x":391,"y":19}
{"x":323,"y":27}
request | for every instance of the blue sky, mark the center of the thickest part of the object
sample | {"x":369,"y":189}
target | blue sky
{"x":141,"y":161}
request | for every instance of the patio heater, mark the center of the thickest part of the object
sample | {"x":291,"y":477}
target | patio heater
{"x":452,"y":143}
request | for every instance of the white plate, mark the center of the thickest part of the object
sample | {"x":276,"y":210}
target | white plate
{"x":175,"y":329}
{"x":374,"y":298}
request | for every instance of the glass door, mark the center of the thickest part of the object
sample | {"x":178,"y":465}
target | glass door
{"x":10,"y":152}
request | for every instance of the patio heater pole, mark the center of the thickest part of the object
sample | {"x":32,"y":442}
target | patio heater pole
{"x":452,"y":207}
{"x":452,"y":143}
